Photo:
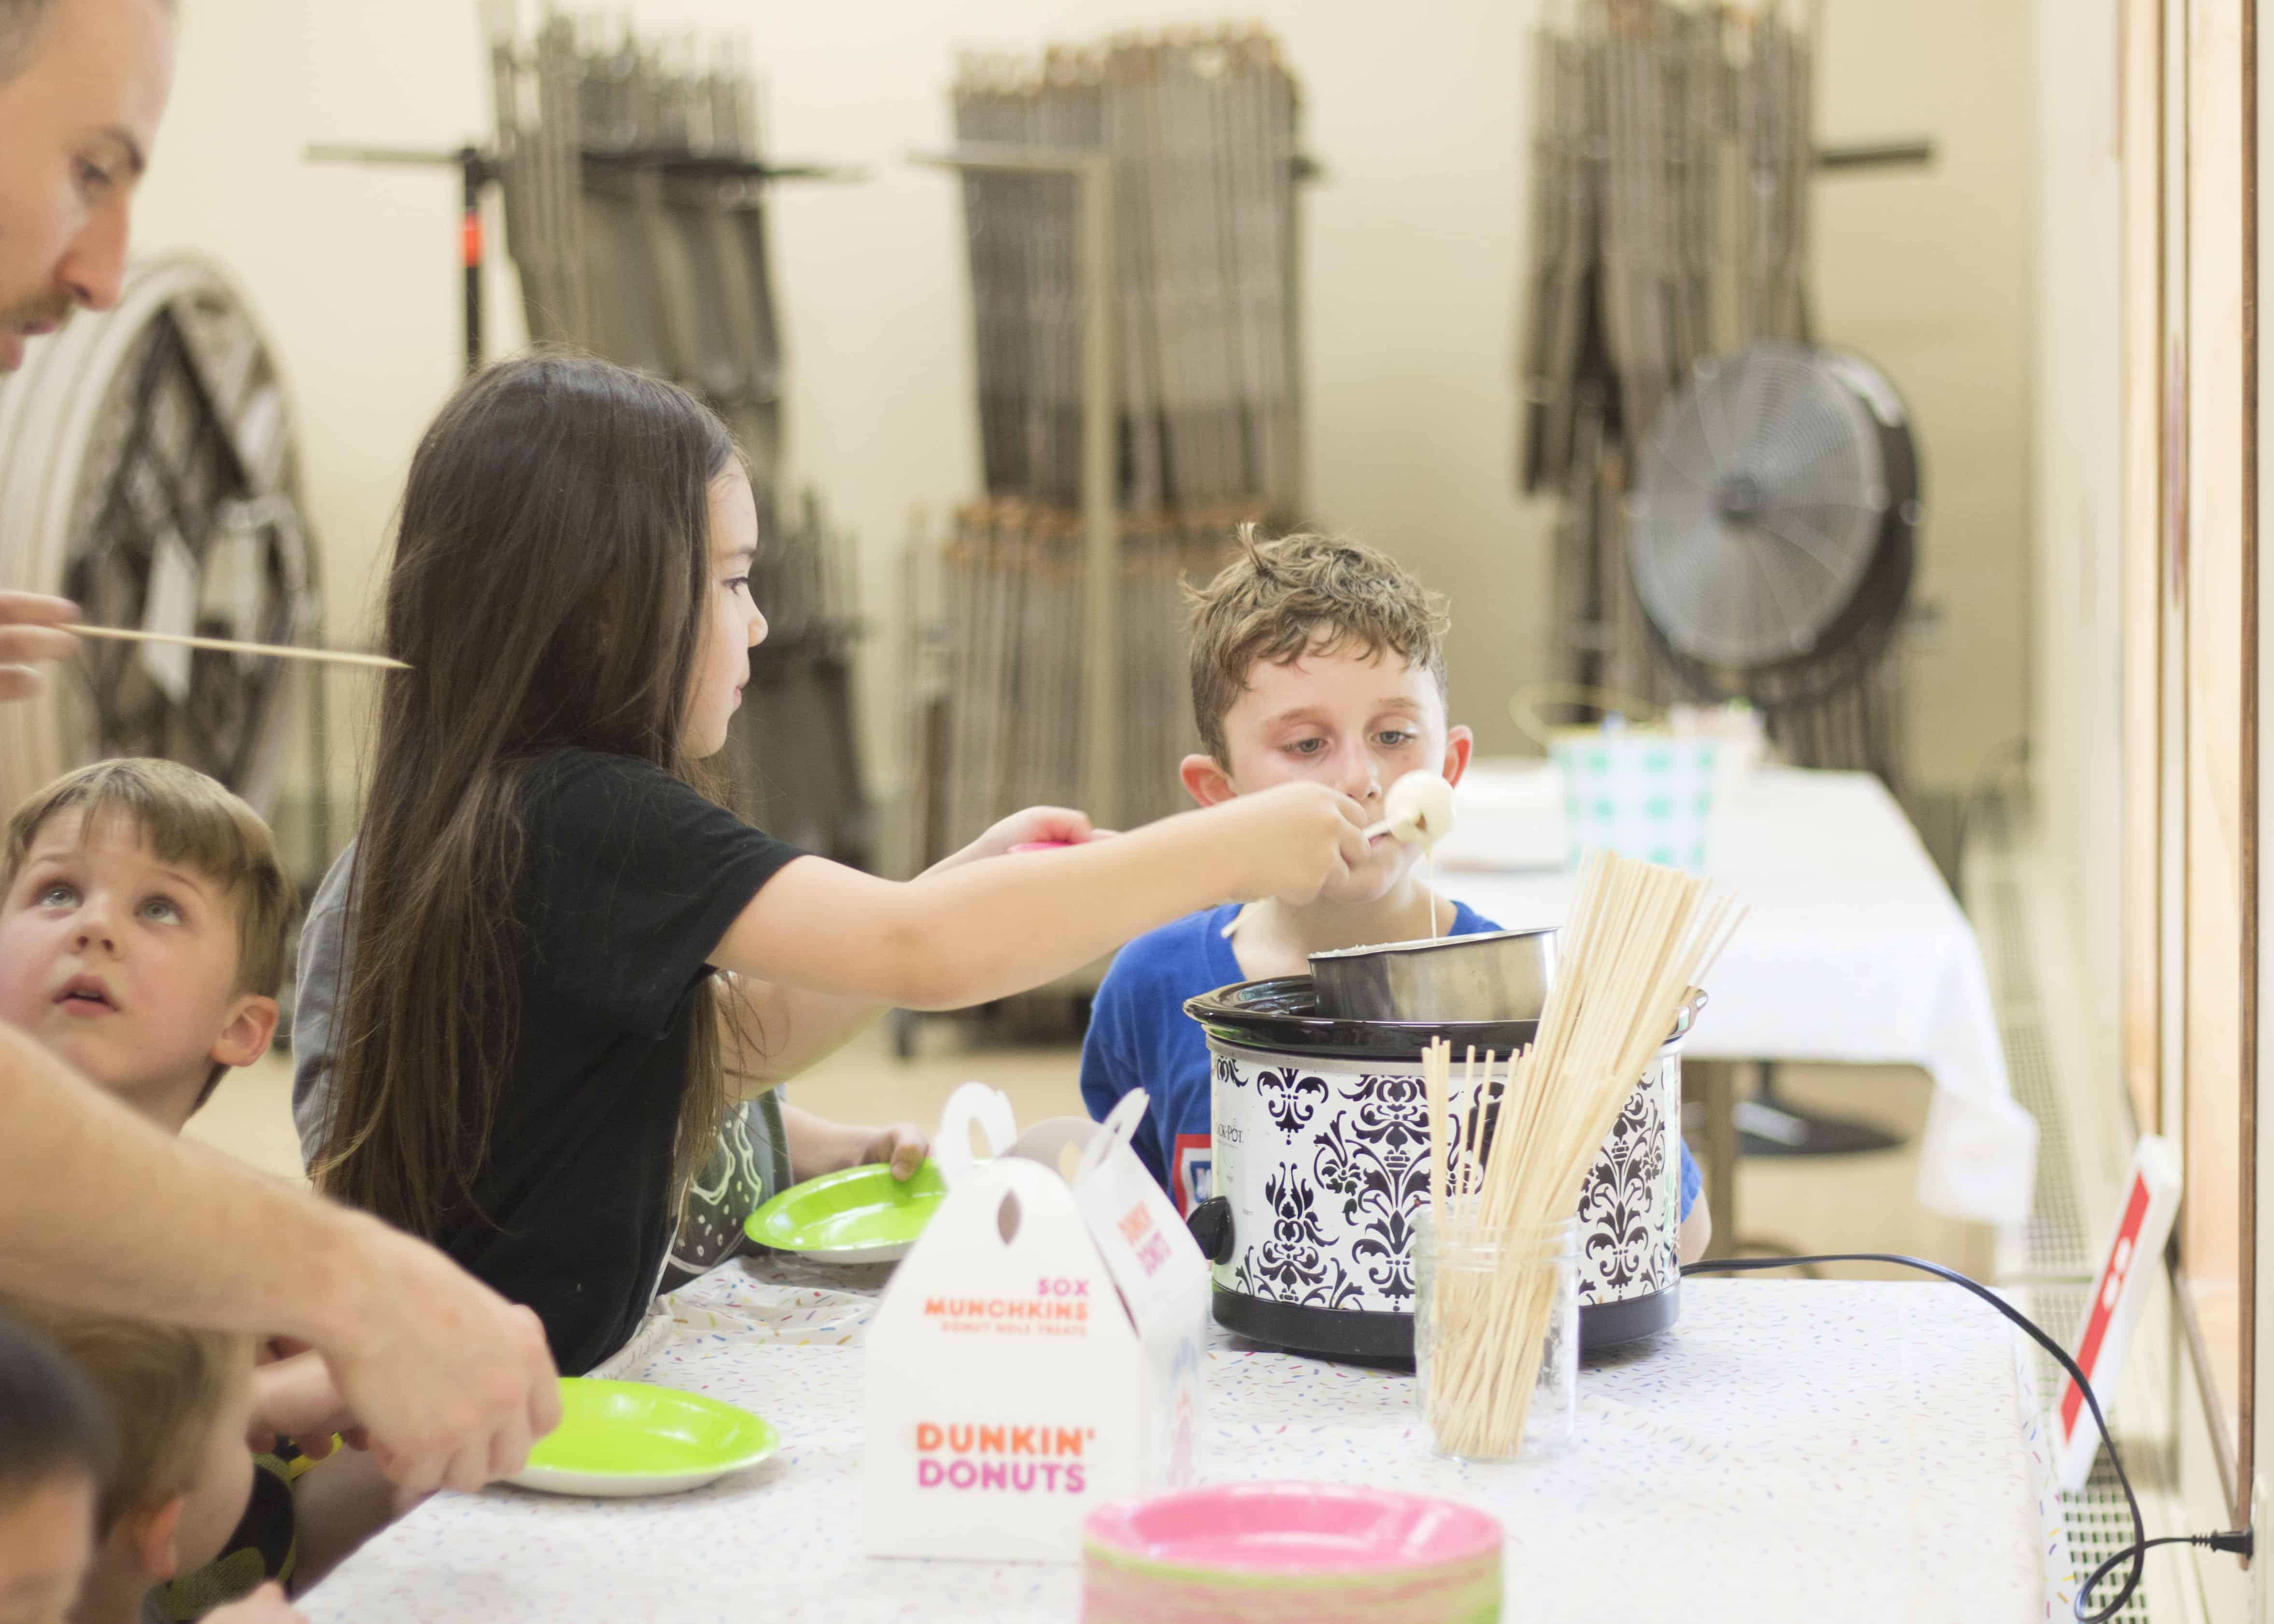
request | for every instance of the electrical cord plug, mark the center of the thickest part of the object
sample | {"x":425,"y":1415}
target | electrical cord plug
{"x":2236,"y":1542}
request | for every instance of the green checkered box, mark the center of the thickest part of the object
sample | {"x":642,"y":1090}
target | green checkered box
{"x":1646,"y":795}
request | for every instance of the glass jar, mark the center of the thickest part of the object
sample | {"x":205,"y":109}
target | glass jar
{"x":1496,"y":1338}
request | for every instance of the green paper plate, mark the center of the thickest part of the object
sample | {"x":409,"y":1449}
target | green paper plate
{"x":625,"y":1438}
{"x":862,"y":1215}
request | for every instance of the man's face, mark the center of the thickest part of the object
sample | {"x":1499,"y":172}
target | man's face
{"x":78,"y":117}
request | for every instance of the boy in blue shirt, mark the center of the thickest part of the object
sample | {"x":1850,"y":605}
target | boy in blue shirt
{"x":1311,"y":658}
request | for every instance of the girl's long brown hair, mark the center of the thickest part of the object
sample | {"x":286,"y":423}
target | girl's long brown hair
{"x":549,"y":588}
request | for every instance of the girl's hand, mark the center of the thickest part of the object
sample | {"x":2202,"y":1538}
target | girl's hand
{"x":904,"y":1145}
{"x":1036,"y":825}
{"x":1293,"y":841}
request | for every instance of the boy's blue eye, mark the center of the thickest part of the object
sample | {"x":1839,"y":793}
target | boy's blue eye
{"x":160,"y":908}
{"x":56,"y":893}
{"x":1393,"y":737}
{"x":1307,"y":746}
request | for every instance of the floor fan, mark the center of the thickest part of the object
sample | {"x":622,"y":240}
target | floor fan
{"x":1770,"y":545}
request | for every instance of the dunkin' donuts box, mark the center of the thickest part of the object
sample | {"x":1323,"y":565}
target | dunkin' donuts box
{"x":1036,"y":1354}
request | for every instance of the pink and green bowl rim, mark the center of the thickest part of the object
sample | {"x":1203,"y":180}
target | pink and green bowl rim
{"x":1440,"y":1538}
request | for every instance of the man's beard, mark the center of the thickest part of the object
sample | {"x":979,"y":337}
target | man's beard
{"x":51,"y":309}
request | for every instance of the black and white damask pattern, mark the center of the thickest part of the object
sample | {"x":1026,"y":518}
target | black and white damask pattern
{"x":1626,"y":1248}
{"x":1291,"y":1095}
{"x":1327,"y":1171}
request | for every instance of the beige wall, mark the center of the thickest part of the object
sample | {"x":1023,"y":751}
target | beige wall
{"x":1927,"y":272}
{"x":1411,"y":255}
{"x":2076,"y":337}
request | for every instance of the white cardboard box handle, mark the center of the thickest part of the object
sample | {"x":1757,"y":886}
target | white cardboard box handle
{"x":991,"y":1109}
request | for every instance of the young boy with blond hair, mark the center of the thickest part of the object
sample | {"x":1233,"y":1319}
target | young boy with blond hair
{"x":179,"y":1404}
{"x":143,"y":922}
{"x":1311,"y":659}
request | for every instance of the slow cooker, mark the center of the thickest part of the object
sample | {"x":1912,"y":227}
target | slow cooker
{"x":1321,"y":1160}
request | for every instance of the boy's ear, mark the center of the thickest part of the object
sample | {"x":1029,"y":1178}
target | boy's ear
{"x":1204,"y":781}
{"x":1459,"y":742}
{"x":251,"y":1025}
{"x":150,"y":1537}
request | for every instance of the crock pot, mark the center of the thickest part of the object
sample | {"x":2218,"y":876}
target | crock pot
{"x":1322,"y":1160}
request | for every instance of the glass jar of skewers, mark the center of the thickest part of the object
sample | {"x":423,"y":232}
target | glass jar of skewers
{"x":1496,"y":1337}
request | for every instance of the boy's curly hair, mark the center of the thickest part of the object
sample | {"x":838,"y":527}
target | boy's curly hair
{"x":1303,"y":594}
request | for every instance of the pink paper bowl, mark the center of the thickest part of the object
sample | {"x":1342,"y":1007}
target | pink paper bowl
{"x":1290,"y":1553}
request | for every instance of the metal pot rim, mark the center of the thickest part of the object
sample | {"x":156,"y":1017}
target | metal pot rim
{"x":1429,"y":944}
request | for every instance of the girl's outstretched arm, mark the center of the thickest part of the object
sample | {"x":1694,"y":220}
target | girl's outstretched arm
{"x":961,"y":936}
{"x":772,"y":1031}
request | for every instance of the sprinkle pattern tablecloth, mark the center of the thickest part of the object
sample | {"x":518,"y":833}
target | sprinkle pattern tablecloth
{"x":1792,"y":1450}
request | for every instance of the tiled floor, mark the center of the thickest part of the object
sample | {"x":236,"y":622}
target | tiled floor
{"x":1842,"y":1204}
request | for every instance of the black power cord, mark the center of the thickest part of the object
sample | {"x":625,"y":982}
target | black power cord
{"x":2237,"y":1542}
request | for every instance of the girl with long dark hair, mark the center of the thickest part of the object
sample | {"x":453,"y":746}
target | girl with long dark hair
{"x":534,"y":1045}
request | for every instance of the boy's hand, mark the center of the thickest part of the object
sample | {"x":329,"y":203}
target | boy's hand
{"x":1294,"y":839}
{"x":295,"y":1397}
{"x":1035,"y":826}
{"x":904,"y":1145}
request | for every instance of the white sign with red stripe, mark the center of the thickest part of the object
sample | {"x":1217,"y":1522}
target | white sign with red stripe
{"x":2144,"y":1223}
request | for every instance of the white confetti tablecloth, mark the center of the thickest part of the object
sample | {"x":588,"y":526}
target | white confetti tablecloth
{"x":1854,"y":952}
{"x":1792,"y":1450}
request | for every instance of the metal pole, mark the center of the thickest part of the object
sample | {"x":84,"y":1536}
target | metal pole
{"x":476,"y":169}
{"x":1093,"y":174}
{"x":1100,"y":519}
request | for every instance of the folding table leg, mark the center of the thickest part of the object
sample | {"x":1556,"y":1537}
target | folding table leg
{"x":1717,"y":1089}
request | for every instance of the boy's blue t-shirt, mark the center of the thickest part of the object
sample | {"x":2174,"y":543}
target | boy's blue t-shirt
{"x":1139,"y":1037}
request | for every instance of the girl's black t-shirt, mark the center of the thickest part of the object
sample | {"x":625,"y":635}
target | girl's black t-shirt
{"x":629,"y":880}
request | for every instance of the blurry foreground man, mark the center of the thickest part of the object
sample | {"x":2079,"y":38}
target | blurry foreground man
{"x":98,"y":1208}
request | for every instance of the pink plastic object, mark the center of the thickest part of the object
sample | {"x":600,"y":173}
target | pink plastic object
{"x":1040,"y":846}
{"x":1290,"y":1553}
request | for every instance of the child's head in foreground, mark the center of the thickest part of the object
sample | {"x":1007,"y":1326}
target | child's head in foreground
{"x":179,"y":1404}
{"x":56,"y":1454}
{"x":1321,"y":658}
{"x":143,"y":918}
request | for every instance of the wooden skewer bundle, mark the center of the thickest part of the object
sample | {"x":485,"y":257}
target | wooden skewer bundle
{"x":1638,"y":938}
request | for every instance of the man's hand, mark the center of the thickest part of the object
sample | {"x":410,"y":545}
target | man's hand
{"x":451,"y":1382}
{"x":29,"y":637}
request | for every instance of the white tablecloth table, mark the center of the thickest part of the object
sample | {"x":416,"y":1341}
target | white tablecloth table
{"x":1854,"y":952}
{"x":1797,"y":1451}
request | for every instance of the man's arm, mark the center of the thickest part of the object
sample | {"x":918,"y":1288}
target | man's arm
{"x":100,"y":1210}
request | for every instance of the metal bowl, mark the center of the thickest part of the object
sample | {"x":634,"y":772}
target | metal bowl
{"x":1499,"y":976}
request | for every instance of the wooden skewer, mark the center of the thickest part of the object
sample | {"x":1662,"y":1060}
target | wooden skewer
{"x":282,"y":650}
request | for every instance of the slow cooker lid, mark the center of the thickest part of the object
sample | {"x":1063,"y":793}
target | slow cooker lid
{"x":1281,"y":1012}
